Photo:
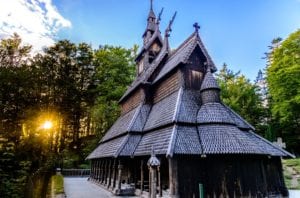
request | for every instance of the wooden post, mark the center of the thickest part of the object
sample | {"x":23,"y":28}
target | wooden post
{"x":120,"y":167}
{"x":105,"y":172}
{"x":109,"y":174}
{"x":159,"y":182}
{"x":173,"y":178}
{"x":149,"y":184}
{"x":98,"y":170}
{"x":142,"y":176}
{"x":95,"y":169}
{"x":114,"y":176}
{"x":92,"y":170}
{"x":153,"y":182}
{"x":101,"y":171}
{"x":153,"y":163}
{"x":91,"y":173}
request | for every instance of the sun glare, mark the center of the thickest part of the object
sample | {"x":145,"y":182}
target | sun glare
{"x":47,"y":125}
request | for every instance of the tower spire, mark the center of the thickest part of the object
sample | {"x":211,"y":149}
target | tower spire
{"x":151,"y":5}
{"x":169,"y":28}
{"x":151,"y":24}
{"x":159,"y":16}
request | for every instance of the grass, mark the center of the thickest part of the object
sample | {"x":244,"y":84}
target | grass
{"x":293,"y":164}
{"x":58,"y":184}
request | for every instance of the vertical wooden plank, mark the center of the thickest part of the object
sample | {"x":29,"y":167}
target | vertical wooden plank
{"x":109,"y":174}
{"x":173,"y":178}
{"x":159,"y":183}
{"x":142,"y":176}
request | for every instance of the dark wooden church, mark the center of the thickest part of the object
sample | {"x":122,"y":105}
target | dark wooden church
{"x":174,"y":107}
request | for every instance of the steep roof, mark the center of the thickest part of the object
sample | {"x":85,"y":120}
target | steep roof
{"x":144,"y":76}
{"x":182,"y":54}
{"x":209,"y":82}
{"x":132,"y":121}
{"x":204,"y":129}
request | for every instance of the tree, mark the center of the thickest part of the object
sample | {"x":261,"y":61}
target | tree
{"x":16,"y":86}
{"x":114,"y":72}
{"x":241,"y":95}
{"x":283,"y":77}
{"x":66,"y":69}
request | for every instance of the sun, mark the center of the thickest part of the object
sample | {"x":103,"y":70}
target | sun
{"x":47,"y":125}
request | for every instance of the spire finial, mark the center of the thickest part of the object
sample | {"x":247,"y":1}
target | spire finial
{"x":159,"y":16}
{"x":151,"y":4}
{"x":169,"y":28}
{"x":196,"y":26}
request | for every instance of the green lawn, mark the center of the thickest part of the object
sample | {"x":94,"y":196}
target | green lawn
{"x":58,"y":184}
{"x":291,"y":167}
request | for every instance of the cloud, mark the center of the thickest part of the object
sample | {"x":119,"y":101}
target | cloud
{"x":36,"y":21}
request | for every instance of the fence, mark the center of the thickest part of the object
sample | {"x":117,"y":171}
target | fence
{"x":76,"y":172}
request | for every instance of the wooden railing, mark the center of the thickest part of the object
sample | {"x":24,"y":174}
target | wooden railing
{"x":76,"y":172}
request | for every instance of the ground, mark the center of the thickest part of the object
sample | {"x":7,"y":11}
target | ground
{"x":292,"y":173}
{"x":80,"y":187}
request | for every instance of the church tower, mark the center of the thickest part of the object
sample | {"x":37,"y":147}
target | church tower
{"x":152,"y":42}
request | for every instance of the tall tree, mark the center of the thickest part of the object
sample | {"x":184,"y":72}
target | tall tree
{"x":283,"y":77}
{"x":114,"y":72}
{"x":241,"y":95}
{"x":67,"y":71}
{"x":16,"y":86}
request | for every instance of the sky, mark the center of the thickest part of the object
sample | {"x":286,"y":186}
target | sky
{"x":235,"y":32}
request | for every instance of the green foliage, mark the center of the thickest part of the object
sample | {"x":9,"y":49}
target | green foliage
{"x":241,"y":95}
{"x":13,"y":171}
{"x":283,"y":77}
{"x":114,"y":72}
{"x":75,"y":87}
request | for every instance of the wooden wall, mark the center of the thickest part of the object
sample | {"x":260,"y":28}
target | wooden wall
{"x":194,"y":70}
{"x":132,"y":101}
{"x":167,"y":87}
{"x":231,"y":176}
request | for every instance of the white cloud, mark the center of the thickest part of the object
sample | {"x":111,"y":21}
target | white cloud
{"x":36,"y":21}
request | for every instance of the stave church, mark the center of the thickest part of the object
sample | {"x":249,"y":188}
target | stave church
{"x":172,"y":112}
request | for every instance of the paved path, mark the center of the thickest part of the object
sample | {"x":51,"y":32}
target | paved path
{"x":294,"y":193}
{"x":79,"y":187}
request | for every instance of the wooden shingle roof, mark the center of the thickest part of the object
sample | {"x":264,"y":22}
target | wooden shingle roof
{"x":180,"y":123}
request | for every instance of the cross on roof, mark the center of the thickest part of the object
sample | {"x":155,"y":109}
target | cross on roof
{"x":280,"y":143}
{"x":196,"y":26}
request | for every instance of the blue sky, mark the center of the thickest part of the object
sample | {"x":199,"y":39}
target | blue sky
{"x":236,"y":32}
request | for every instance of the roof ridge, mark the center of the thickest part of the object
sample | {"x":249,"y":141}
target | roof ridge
{"x":183,"y":43}
{"x":134,"y":117}
{"x":177,"y":106}
{"x":117,"y":153}
{"x":270,"y":143}
{"x":172,"y":142}
{"x":240,"y":117}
